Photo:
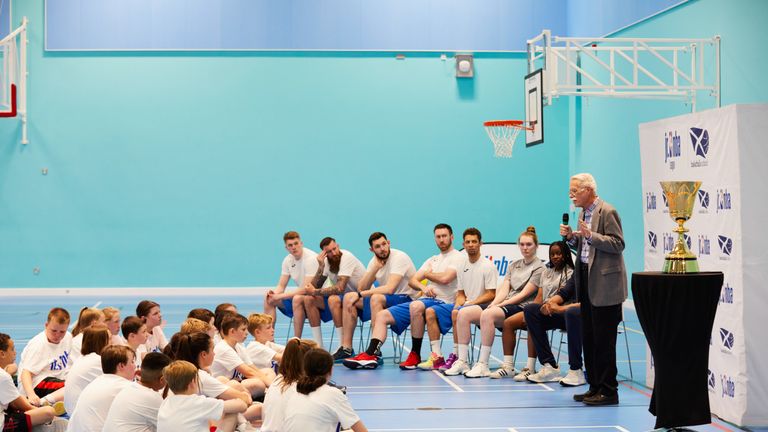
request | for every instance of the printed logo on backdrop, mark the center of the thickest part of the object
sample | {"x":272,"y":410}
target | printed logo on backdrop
{"x":666,"y":203}
{"x":723,"y":200}
{"x":700,"y":142}
{"x":711,"y":380}
{"x":727,"y":340}
{"x":667,"y":242}
{"x":704,"y":245}
{"x":726,"y":247}
{"x":728,"y":387}
{"x":652,"y":241}
{"x":703,"y":201}
{"x":650,"y":201}
{"x":672,"y":148}
{"x":726,"y":294}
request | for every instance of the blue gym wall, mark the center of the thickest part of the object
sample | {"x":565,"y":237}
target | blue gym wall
{"x":185,"y":169}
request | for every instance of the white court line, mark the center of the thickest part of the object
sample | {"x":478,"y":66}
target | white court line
{"x":74,"y":323}
{"x":522,"y":385}
{"x":451,"y":383}
{"x":508,"y":429}
{"x":446,"y":391}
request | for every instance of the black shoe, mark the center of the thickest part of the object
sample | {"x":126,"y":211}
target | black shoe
{"x":340,"y":387}
{"x":601,"y":399}
{"x":342,"y":353}
{"x":581,"y":396}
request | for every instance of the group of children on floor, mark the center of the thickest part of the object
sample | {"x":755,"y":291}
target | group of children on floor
{"x":126,"y":376}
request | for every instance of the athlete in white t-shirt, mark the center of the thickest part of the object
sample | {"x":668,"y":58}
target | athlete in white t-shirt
{"x":345,"y":271}
{"x":22,"y":413}
{"x":392,"y":269}
{"x":477,"y":282}
{"x":231,"y":359}
{"x":436,"y":305}
{"x":135,"y":407}
{"x":45,"y":360}
{"x":94,"y":403}
{"x":300,"y":265}
{"x":187,"y":410}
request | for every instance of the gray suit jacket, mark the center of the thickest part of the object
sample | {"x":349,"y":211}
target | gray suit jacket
{"x":607,"y":273}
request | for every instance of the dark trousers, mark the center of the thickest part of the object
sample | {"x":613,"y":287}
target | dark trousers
{"x":599,"y":329}
{"x":538,"y":324}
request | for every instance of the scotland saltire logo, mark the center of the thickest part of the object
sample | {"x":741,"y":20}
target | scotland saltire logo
{"x":703,"y":201}
{"x":650,"y":201}
{"x":687,"y":240}
{"x":728,"y":386}
{"x":727,"y":339}
{"x":723,"y":200}
{"x":704,"y":245}
{"x":726,"y":246}
{"x":710,"y":380}
{"x":666,"y":202}
{"x":671,"y":148}
{"x":652,"y":239}
{"x":700,"y":143}
{"x":726,"y":295}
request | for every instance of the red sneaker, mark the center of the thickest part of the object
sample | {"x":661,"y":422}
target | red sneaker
{"x":411,"y":362}
{"x":362,"y":361}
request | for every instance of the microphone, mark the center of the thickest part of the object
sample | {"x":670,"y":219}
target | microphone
{"x":565,"y":222}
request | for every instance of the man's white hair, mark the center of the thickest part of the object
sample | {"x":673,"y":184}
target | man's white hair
{"x":586,"y":180}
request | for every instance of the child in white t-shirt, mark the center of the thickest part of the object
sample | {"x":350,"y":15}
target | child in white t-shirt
{"x":186,"y":410}
{"x":149,"y":312}
{"x":291,"y":369}
{"x":117,"y":362}
{"x":112,"y":320}
{"x":88,"y":367}
{"x":261,"y":350}
{"x":231,"y":359}
{"x":88,"y":317}
{"x":45,"y":360}
{"x":315,"y":405}
{"x":15,"y":411}
{"x":135,"y":333}
{"x":135,"y":407}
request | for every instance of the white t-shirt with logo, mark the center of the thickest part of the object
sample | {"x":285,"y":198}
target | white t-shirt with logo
{"x":320,"y":411}
{"x":226,"y":360}
{"x":82,"y":373}
{"x":134,"y":410}
{"x":299,"y":269}
{"x":273,"y":410}
{"x":8,"y":393}
{"x":452,"y":259}
{"x":156,"y":340}
{"x":188,"y":413}
{"x":398,"y":263}
{"x":475,"y":278}
{"x":94,"y":403}
{"x":349,"y":266}
{"x":260,"y":354}
{"x":44,"y":359}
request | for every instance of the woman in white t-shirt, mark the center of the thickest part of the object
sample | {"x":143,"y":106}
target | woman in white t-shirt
{"x":187,"y":410}
{"x":149,"y":312}
{"x":315,"y":405}
{"x":88,"y":367}
{"x":89,"y":317}
{"x":291,"y":369}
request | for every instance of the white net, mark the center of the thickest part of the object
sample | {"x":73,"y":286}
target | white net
{"x":503,"y":135}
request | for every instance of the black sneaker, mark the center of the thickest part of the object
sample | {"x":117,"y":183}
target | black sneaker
{"x":340,"y":387}
{"x":342,"y":353}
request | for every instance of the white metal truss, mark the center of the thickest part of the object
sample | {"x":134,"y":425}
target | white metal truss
{"x":649,"y":68}
{"x":15,"y":70}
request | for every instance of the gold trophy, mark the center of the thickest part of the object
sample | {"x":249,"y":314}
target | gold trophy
{"x":680,"y":196}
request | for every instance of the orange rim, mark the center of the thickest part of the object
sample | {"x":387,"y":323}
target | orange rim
{"x":510,"y":123}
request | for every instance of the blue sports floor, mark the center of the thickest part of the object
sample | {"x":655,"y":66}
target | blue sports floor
{"x":388,"y":399}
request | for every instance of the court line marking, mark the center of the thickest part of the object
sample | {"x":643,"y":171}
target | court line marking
{"x":74,"y":323}
{"x":506,"y":428}
{"x":451,"y":383}
{"x":521,"y":385}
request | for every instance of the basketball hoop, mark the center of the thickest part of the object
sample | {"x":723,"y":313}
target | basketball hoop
{"x":503,"y":134}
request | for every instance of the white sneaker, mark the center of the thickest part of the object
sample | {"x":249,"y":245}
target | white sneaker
{"x":574,"y":378}
{"x":546,"y":374}
{"x":459,"y":367}
{"x":479,"y":370}
{"x":523,"y":375}
{"x":502,"y":372}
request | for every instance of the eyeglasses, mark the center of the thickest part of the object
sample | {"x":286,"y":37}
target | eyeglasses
{"x":574,"y":191}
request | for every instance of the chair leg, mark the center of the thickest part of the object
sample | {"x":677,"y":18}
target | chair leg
{"x":330,"y":343}
{"x":288,"y":333}
{"x":560,"y":347}
{"x":472,"y":344}
{"x":517,"y":345}
{"x":629,"y":359}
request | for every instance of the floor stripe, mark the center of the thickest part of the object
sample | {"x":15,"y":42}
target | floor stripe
{"x":451,"y":383}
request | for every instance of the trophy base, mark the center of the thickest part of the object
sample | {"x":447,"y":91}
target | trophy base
{"x":680,"y":265}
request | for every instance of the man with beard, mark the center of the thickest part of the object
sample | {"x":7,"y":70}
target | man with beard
{"x":345,"y":271}
{"x":392,"y":269}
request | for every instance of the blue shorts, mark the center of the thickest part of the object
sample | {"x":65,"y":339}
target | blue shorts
{"x":392,"y":300}
{"x":402,"y":314}
{"x":443,"y":313}
{"x":325,"y":314}
{"x":287,"y":307}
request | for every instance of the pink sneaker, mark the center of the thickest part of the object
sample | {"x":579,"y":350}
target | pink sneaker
{"x":449,"y":362}
{"x":434,"y":362}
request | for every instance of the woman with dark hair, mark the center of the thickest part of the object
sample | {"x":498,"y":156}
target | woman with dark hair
{"x":149,"y":312}
{"x":557,"y":272}
{"x":291,"y":370}
{"x":316,"y":406}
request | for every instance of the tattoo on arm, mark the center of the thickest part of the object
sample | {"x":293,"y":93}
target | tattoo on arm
{"x":337,"y":288}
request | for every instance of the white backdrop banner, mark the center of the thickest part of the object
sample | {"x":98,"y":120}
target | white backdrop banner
{"x":718,"y":147}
